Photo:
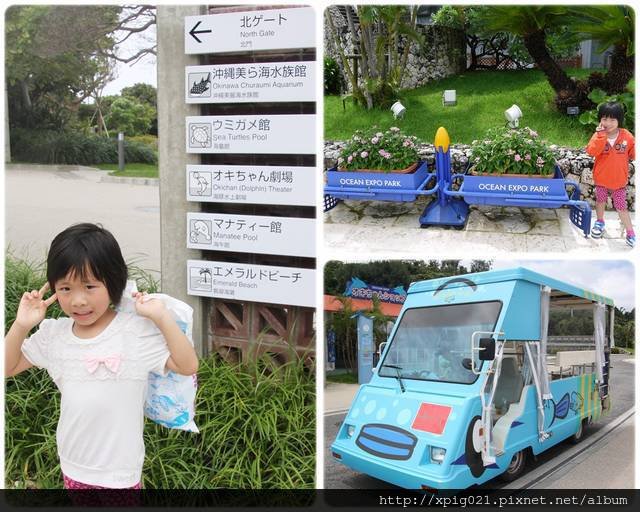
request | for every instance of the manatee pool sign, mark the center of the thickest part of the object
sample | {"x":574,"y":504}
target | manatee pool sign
{"x":257,"y":234}
{"x":251,"y":83}
{"x":242,"y":31}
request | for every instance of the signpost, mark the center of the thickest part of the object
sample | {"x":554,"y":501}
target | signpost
{"x":251,"y":233}
{"x":255,"y":82}
{"x":257,"y":283}
{"x":279,"y":134}
{"x":255,"y":184}
{"x":247,"y":31}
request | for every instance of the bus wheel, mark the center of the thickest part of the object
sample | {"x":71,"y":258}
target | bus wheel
{"x":515,"y":467}
{"x":577,"y":437}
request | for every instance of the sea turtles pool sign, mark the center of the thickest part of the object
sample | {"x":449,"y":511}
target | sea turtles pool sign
{"x":272,"y":29}
{"x":256,"y":283}
{"x":248,"y":83}
{"x":273,"y":134}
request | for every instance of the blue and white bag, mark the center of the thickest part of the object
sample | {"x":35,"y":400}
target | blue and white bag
{"x":170,"y":399}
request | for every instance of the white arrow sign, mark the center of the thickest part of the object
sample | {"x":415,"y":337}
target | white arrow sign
{"x":272,"y":29}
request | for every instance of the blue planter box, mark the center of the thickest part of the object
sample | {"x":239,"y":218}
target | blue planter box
{"x":515,"y":191}
{"x":380,"y":186}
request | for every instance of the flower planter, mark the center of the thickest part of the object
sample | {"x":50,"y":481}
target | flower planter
{"x":515,"y":190}
{"x":398,"y":185}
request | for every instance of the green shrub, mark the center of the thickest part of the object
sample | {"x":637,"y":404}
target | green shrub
{"x":148,"y":140}
{"x":600,"y":97}
{"x":257,"y":430}
{"x":50,"y":147}
{"x":332,"y":76}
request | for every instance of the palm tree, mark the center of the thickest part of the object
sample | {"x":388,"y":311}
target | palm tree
{"x":532,"y":24}
{"x":610,"y":26}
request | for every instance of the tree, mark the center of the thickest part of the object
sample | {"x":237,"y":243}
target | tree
{"x":129,"y":116}
{"x":145,"y":94}
{"x":611,"y":26}
{"x":383,"y":37}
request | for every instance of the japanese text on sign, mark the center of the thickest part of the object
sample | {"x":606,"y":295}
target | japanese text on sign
{"x":251,"y":233}
{"x":255,"y":184}
{"x":258,"y":283}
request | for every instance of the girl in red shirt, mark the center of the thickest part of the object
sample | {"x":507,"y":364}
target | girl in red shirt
{"x":613,"y":147}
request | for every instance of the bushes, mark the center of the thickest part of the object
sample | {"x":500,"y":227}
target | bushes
{"x":257,"y":430}
{"x":50,"y":147}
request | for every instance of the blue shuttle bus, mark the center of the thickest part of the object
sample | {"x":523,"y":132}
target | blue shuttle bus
{"x":470,"y":384}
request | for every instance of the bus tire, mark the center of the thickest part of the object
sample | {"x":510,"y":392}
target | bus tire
{"x":577,"y":437}
{"x":516,"y":466}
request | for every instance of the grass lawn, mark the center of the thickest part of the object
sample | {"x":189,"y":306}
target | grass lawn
{"x":131,"y":170}
{"x":482,"y":97}
{"x":342,"y":378}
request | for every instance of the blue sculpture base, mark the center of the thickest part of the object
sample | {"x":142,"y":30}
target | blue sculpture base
{"x":453,"y":213}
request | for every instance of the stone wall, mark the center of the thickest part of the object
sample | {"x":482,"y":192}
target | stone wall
{"x":442,"y":54}
{"x":575,"y":164}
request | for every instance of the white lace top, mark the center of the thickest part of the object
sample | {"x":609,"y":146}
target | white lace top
{"x":102,"y":382}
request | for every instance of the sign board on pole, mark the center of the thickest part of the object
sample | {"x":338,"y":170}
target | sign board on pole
{"x":280,"y":134}
{"x":257,"y":234}
{"x":248,"y":83}
{"x":256,"y":184}
{"x":256,"y":283}
{"x":246,"y":31}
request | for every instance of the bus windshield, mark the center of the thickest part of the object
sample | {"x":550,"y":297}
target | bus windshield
{"x":432,"y":343}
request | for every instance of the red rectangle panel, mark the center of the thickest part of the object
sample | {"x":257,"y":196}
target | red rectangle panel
{"x":431,"y":418}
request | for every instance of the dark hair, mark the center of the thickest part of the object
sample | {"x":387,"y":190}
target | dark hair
{"x":84,"y":247}
{"x":612,"y":109}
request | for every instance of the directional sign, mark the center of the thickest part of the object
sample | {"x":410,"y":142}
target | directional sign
{"x":283,"y":134}
{"x":258,"y":234}
{"x":244,"y":83}
{"x":272,"y":29}
{"x":257,"y":184}
{"x":256,"y":283}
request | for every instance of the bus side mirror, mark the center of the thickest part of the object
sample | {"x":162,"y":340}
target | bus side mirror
{"x":487,"y":348}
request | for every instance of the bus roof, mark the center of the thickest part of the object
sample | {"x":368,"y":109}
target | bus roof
{"x":518,"y":273}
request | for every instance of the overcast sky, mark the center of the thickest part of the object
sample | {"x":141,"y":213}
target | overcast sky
{"x":612,"y":278}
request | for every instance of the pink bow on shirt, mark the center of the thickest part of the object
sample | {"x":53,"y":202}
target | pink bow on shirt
{"x":112,"y":363}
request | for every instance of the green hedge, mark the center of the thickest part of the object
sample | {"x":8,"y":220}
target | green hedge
{"x":50,"y":147}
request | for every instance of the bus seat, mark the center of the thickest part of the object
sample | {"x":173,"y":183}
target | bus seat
{"x":509,"y":384}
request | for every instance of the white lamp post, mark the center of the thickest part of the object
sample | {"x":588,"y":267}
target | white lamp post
{"x":398,"y":109}
{"x":513,"y":115}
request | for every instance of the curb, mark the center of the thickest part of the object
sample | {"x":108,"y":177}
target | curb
{"x":131,"y":181}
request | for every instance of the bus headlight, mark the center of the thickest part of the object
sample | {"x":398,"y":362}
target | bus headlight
{"x":351,"y":430}
{"x":437,"y":454}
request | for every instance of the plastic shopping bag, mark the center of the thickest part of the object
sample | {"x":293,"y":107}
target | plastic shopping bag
{"x":170,"y":399}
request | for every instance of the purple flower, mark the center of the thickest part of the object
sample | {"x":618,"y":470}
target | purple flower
{"x":540,"y":160}
{"x":394,"y":129}
{"x":384,"y":154}
{"x":349,"y":159}
{"x":527,"y":156}
{"x":375,"y":140}
{"x":406,"y":143}
{"x":517,"y":158}
{"x":364,"y":154}
{"x":340,"y":160}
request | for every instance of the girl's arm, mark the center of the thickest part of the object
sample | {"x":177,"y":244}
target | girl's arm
{"x":31,"y":311}
{"x":183,"y":359}
{"x":597,"y":143}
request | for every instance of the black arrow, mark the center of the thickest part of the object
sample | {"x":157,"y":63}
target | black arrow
{"x":193,"y":31}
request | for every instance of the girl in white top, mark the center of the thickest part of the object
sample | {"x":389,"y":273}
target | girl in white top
{"x":99,"y":358}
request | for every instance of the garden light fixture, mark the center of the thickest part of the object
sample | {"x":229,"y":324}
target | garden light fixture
{"x":449,"y":97}
{"x":513,"y":115}
{"x":398,"y":109}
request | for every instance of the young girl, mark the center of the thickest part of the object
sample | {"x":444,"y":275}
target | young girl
{"x":613,"y":147}
{"x":99,"y":358}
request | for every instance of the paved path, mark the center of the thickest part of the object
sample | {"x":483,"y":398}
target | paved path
{"x":41,"y":201}
{"x":389,"y":229}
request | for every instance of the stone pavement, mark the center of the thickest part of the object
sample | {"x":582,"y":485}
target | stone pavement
{"x":387,"y":228}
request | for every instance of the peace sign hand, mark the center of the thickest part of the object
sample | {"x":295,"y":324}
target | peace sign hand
{"x":32,"y":307}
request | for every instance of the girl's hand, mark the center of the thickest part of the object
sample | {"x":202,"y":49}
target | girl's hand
{"x":600,"y":128}
{"x":153,"y":309}
{"x":33,"y":308}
